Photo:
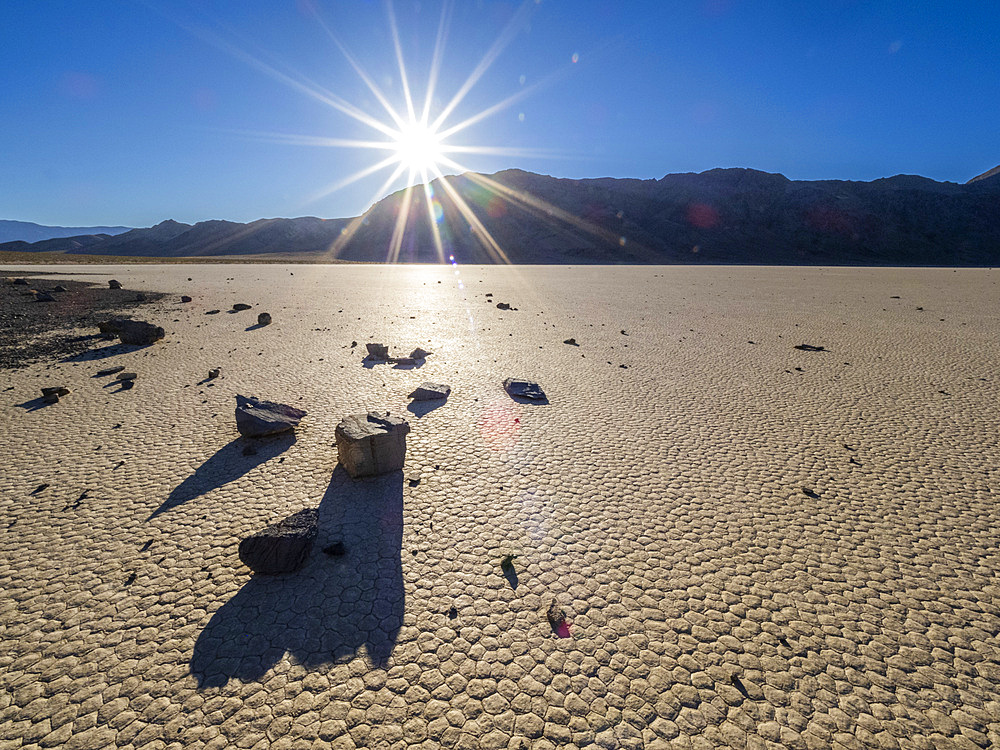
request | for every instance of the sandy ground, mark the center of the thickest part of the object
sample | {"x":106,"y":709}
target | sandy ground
{"x":756,"y":546}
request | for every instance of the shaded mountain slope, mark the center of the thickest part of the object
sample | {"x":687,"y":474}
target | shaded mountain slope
{"x":720,"y":216}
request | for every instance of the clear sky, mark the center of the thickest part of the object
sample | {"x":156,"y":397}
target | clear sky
{"x":126,"y":112}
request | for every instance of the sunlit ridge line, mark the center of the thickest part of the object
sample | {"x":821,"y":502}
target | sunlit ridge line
{"x":404,"y":79}
{"x":485,"y":237}
{"x":347,"y":234}
{"x":435,"y":71}
{"x":363,"y":75}
{"x":505,"y":38}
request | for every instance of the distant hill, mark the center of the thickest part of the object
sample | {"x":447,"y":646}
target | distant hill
{"x":739,"y":216}
{"x":27,"y":231}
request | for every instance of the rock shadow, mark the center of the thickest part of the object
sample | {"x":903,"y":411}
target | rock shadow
{"x":255,"y":326}
{"x":422,"y":408}
{"x":34,"y":404}
{"x":103,"y":352}
{"x":332,"y":608}
{"x":228,"y":464}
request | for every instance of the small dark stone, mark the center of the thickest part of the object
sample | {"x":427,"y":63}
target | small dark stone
{"x":212,"y":374}
{"x":241,"y":306}
{"x":337,"y":549}
{"x":809,"y":493}
{"x":185,"y":298}
{"x":127,"y":385}
{"x":58,"y":390}
{"x":430,"y":391}
{"x":21,"y":282}
{"x":109,"y":371}
{"x":213,"y":312}
{"x":58,"y":288}
{"x":264,"y":319}
{"x":571,"y":342}
{"x":452,"y":613}
{"x":503,"y":306}
{"x":419,"y":353}
{"x":282,"y":547}
{"x":39,"y":488}
{"x":115,"y":284}
{"x":810,"y":348}
{"x":127,"y":376}
{"x":354,"y":344}
{"x":44,"y":297}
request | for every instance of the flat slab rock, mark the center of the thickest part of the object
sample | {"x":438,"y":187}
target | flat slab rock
{"x":281,"y":547}
{"x":524,"y":389}
{"x":430,"y":391}
{"x":372,"y":443}
{"x":258,"y":418}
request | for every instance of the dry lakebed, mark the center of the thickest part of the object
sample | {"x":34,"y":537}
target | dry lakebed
{"x":706,"y":537}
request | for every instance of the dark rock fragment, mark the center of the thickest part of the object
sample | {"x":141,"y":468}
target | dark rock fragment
{"x":524,"y":389}
{"x":264,"y":319}
{"x":109,"y":371}
{"x":571,"y":342}
{"x":257,"y":418}
{"x":282,"y":547}
{"x":337,"y":549}
{"x":378,"y":351}
{"x":135,"y":332}
{"x":115,"y":284}
{"x":241,"y":306}
{"x":429,"y":391}
{"x":811,"y":348}
{"x":185,"y":298}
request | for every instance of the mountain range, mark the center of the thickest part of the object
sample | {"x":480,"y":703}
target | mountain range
{"x":27,"y":231}
{"x":739,"y":216}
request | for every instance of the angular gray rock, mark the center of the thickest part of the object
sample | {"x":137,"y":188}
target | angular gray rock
{"x":524,"y":389}
{"x":372,"y":443}
{"x":377,"y":351}
{"x":135,"y":332}
{"x":44,"y":297}
{"x":419,"y":353}
{"x":429,"y":391}
{"x":257,"y":418}
{"x":281,"y":547}
{"x":127,"y":376}
{"x":214,"y":373}
{"x":264,"y":319}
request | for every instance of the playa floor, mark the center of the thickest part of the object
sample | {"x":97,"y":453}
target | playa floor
{"x":754,"y":545}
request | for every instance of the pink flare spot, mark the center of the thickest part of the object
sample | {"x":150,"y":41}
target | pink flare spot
{"x":563,"y":630}
{"x":702,"y":215}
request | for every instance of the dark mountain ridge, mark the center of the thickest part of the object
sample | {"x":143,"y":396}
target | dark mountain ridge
{"x":740,"y":216}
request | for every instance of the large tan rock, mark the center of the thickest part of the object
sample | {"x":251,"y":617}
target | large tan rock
{"x":372,"y":443}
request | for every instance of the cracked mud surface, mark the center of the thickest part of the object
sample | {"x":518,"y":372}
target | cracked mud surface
{"x":752,"y":545}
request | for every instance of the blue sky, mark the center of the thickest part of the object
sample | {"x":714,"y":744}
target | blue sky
{"x":125,"y":112}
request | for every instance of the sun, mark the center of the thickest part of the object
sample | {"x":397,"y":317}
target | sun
{"x":419,"y":147}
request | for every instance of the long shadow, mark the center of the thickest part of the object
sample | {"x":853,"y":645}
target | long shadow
{"x":34,"y":404}
{"x":229,"y":463}
{"x":332,"y":608}
{"x":422,"y":408}
{"x":103,"y":352}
